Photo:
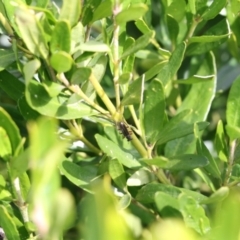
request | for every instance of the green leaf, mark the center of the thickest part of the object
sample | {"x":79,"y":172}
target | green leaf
{"x":142,"y":26}
{"x":178,"y":163}
{"x":214,"y":9}
{"x":140,"y":177}
{"x":168,"y":72}
{"x":117,"y":173}
{"x":31,"y":32}
{"x":11,"y":85}
{"x":199,"y":111}
{"x":185,"y":162}
{"x":30,"y":69}
{"x":208,"y":38}
{"x":212,"y":169}
{"x":233,"y":105}
{"x":114,"y":151}
{"x":178,"y":127}
{"x":124,"y":202}
{"x":173,"y":28}
{"x":217,"y":196}
{"x":104,"y":9}
{"x":134,"y":12}
{"x":71,"y":12}
{"x":233,"y":132}
{"x":7,"y":56}
{"x":8,"y":225}
{"x":154,"y":110}
{"x":11,"y":130}
{"x":61,"y":37}
{"x":135,"y":89}
{"x":220,"y":144}
{"x":81,"y":176}
{"x":195,"y":79}
{"x":61,"y":61}
{"x":81,"y":75}
{"x":167,"y":205}
{"x":220,"y":29}
{"x":140,"y":43}
{"x":5,"y":145}
{"x":176,"y":9}
{"x":58,"y":106}
{"x":93,"y":46}
{"x":146,"y":194}
{"x":194,"y":214}
{"x":26,"y":111}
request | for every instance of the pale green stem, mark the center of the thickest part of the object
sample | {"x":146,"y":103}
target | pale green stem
{"x":76,"y":89}
{"x":233,"y":146}
{"x":116,"y":69}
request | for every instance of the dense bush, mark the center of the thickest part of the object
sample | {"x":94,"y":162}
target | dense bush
{"x":120,"y":119}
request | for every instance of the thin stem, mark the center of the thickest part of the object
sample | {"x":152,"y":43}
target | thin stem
{"x":116,"y":69}
{"x":20,"y":202}
{"x":192,"y":28}
{"x":76,"y":89}
{"x":101,"y":93}
{"x":78,"y":132}
{"x":233,"y":146}
{"x":135,"y":119}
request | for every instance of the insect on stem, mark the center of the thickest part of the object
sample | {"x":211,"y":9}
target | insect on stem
{"x":123,"y":128}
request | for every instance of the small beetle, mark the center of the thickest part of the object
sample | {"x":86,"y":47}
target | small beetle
{"x":124,"y":130}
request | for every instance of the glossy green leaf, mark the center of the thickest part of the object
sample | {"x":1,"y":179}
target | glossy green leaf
{"x":81,"y":75}
{"x":194,"y":214}
{"x":176,"y":9}
{"x":140,"y":178}
{"x":154,"y":110}
{"x":167,"y":205}
{"x":192,"y":6}
{"x":140,"y":43}
{"x":170,"y":69}
{"x":220,"y":142}
{"x":114,"y":151}
{"x":7,"y":56}
{"x":212,"y":169}
{"x":233,"y":132}
{"x":61,"y":61}
{"x":178,"y":127}
{"x":142,"y":26}
{"x":31,"y":32}
{"x":30,"y":69}
{"x":233,"y":105}
{"x":71,"y":12}
{"x":93,"y":46}
{"x":217,"y":196}
{"x":11,"y":130}
{"x":199,"y":111}
{"x":125,"y":78}
{"x":117,"y":173}
{"x":208,"y":38}
{"x":173,"y":28}
{"x":81,"y":176}
{"x":146,"y":194}
{"x":26,"y":111}
{"x":135,"y":89}
{"x":159,"y":161}
{"x":134,"y":12}
{"x":5,"y":145}
{"x":220,"y":29}
{"x":7,"y":223}
{"x":214,"y":9}
{"x":185,"y":162}
{"x":103,"y":10}
{"x":124,"y":202}
{"x":61,"y":37}
{"x":57,"y":107}
{"x":195,"y":79}
{"x":11,"y":85}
